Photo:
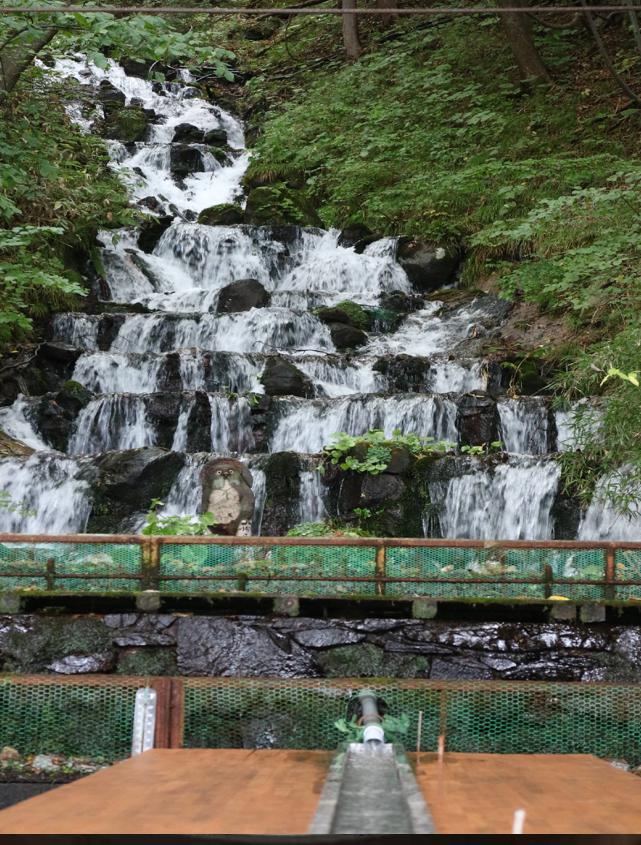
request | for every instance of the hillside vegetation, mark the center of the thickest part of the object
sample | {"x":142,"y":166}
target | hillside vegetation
{"x":432,"y":132}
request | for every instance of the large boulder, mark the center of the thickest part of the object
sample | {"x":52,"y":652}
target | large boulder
{"x":282,"y":479}
{"x":151,"y":231}
{"x":187,"y":133}
{"x":127,"y":125}
{"x":356,"y":235}
{"x":477,"y":420}
{"x":280,"y":204}
{"x":346,"y":337}
{"x":281,"y":378}
{"x":241,"y":296}
{"x":54,"y":414}
{"x":185,"y":160}
{"x":428,"y":267}
{"x":124,"y":483}
{"x":110,"y":97}
{"x":228,"y":496}
{"x":349,"y":313}
{"x":224,"y":214}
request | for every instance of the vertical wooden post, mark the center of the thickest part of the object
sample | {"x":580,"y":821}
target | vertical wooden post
{"x":51,"y":574}
{"x":380,"y":569}
{"x":610,"y":572}
{"x":548,"y":580}
{"x":177,"y":719}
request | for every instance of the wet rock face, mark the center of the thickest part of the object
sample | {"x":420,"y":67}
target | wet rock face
{"x":187,"y":133}
{"x":185,"y":159}
{"x":294,"y":648}
{"x":281,"y":378}
{"x":346,"y":337}
{"x":477,"y":420}
{"x":282,"y":471}
{"x":241,"y":296}
{"x":55,"y":413}
{"x":428,"y":267}
{"x":124,"y":483}
{"x":224,"y":214}
{"x":152,"y":230}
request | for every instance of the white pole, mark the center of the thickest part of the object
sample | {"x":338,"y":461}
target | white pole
{"x":517,"y":823}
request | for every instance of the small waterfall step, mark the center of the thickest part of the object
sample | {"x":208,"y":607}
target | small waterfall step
{"x":371,"y":788}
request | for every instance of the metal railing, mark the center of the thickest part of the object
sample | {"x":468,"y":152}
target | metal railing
{"x":156,"y":563}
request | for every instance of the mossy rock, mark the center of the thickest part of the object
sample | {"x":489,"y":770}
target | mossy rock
{"x":280,"y":205}
{"x":147,"y":661}
{"x":126,"y":125}
{"x":366,"y":660}
{"x":347,"y":312}
{"x":224,"y":214}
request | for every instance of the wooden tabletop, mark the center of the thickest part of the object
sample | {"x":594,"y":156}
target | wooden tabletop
{"x":573,"y":793}
{"x":183,"y":791}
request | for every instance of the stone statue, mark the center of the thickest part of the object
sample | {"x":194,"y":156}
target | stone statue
{"x":227,"y":494}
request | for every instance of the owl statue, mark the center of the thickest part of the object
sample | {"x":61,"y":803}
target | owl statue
{"x":227,"y":494}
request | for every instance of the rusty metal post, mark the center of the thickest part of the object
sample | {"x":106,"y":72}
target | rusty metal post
{"x":548,"y":580}
{"x":150,"y":564}
{"x":380,"y":569}
{"x":163,"y":711}
{"x":610,"y":573}
{"x":51,"y":574}
{"x":177,"y":717}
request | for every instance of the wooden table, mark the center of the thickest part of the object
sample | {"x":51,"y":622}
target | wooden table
{"x":183,"y":791}
{"x":561,"y":793}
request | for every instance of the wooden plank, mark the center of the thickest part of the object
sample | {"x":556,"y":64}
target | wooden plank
{"x":195,"y":791}
{"x":573,"y":793}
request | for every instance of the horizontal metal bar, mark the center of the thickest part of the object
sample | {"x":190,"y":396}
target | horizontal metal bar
{"x":345,"y":579}
{"x":287,"y":12}
{"x":371,"y":542}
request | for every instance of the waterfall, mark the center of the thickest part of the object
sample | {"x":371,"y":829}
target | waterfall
{"x":231,"y":429}
{"x":306,"y":426}
{"x":524,"y":425}
{"x":514,"y":502}
{"x":166,"y":336}
{"x":15,"y":422}
{"x":311,"y":506}
{"x":602,"y":520}
{"x":259,"y":486}
{"x":47,"y":494}
{"x":112,"y":422}
{"x":112,"y":372}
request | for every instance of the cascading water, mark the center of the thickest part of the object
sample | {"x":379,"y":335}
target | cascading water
{"x":167,"y":365}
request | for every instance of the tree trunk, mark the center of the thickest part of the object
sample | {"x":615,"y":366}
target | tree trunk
{"x":15,"y":59}
{"x":518,"y":31}
{"x":351,"y":40}
{"x":386,"y":20}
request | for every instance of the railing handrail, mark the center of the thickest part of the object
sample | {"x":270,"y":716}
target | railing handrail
{"x":388,"y":542}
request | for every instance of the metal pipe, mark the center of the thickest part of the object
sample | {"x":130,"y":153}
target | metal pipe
{"x":371,"y":718}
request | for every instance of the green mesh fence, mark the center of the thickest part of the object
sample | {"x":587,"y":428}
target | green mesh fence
{"x":446,"y":572}
{"x":93,"y":717}
{"x":96,"y":567}
{"x":74,"y":718}
{"x":248,"y":563}
{"x":491,"y":717}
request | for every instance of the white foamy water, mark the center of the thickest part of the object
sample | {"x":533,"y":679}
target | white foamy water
{"x":523,"y":425}
{"x":514,"y":502}
{"x":45,"y":489}
{"x":15,"y":422}
{"x":111,"y":422}
{"x":603,"y":520}
{"x":307,"y":426}
{"x":311,"y":506}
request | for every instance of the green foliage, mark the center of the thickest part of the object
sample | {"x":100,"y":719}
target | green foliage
{"x":485,"y":449}
{"x":163,"y":525}
{"x":372,"y":452}
{"x":395,"y":728}
{"x":323,"y":529}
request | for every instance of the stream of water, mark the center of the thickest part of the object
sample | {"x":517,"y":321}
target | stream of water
{"x":128,"y":358}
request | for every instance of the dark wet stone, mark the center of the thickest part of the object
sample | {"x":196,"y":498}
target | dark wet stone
{"x":151,"y":231}
{"x":459,"y":670}
{"x":222,"y":647}
{"x":282,"y":471}
{"x":242,"y":295}
{"x":327,"y":637}
{"x":355,"y":233}
{"x":428,"y":267}
{"x":346,"y":337}
{"x":185,"y":160}
{"x":120,"y":620}
{"x":136,"y":640}
{"x":224,"y":214}
{"x":477,"y":420}
{"x":281,"y":378}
